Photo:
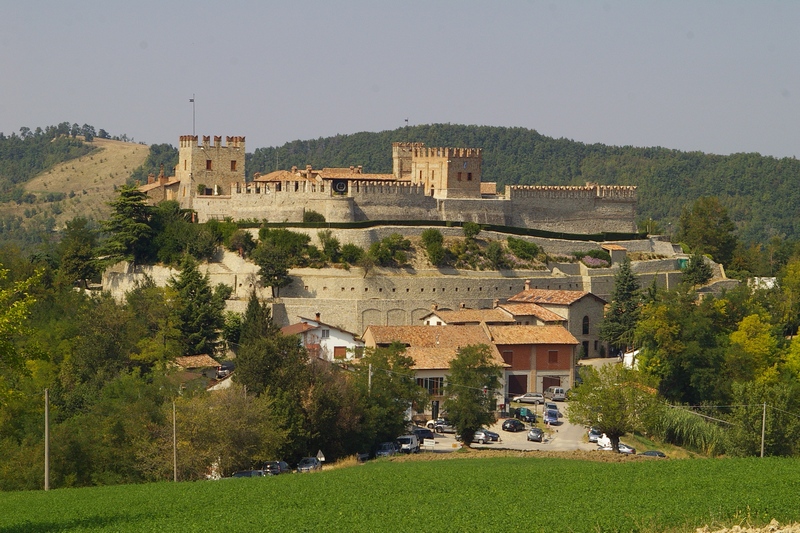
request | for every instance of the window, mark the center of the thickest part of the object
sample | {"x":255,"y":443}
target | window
{"x":469,"y":176}
{"x":586,"y":325}
{"x":434,"y":386}
{"x":339,"y":352}
{"x":208,"y":164}
{"x":184,"y":164}
{"x":326,"y":333}
{"x":459,"y":176}
{"x":552,"y":357}
{"x":233,"y":166}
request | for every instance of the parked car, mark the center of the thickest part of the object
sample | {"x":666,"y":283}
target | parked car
{"x":224,"y":370}
{"x":444,"y":426}
{"x":526,"y":415}
{"x":550,"y":405}
{"x":248,"y":473}
{"x":424,"y":433}
{"x":551,"y":416}
{"x":536,"y":434}
{"x":273,"y":468}
{"x":535,"y":398}
{"x":623,"y":448}
{"x":408,"y":443}
{"x":309,"y":464}
{"x":483,"y":435}
{"x":513,"y":425}
{"x":386,"y":449}
{"x":557,"y":394}
{"x":594,"y":434}
{"x":431,"y":424}
{"x":653,"y":453}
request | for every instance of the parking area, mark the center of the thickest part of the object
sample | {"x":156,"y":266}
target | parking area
{"x":561,"y":437}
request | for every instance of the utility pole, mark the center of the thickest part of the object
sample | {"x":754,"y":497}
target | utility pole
{"x":174,"y":444}
{"x":763,"y":426}
{"x":46,"y":439}
{"x":369,"y":380}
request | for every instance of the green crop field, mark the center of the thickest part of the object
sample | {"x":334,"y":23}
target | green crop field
{"x":493,"y":495}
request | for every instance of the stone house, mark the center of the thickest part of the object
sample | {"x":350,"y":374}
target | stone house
{"x":324,"y":341}
{"x":582,"y":310}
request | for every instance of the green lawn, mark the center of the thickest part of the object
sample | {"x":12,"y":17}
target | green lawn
{"x":492,"y":495}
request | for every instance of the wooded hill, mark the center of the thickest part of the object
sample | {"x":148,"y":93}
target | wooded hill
{"x":759,"y":192}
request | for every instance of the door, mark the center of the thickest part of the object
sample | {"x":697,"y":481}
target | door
{"x":550,"y":381}
{"x":517,"y":384}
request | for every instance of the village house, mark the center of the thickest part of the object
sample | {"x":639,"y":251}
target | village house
{"x":324,"y":341}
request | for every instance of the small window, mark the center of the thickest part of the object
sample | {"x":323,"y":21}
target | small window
{"x":184,"y":164}
{"x":233,"y":165}
{"x":208,"y":164}
{"x":586,"y":325}
{"x":552,"y":357}
{"x":326,"y":333}
{"x":469,"y":176}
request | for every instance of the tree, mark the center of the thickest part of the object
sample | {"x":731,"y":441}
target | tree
{"x":433,"y":240}
{"x":622,"y":316}
{"x":330,"y":245}
{"x":753,"y":349}
{"x":312,"y":216}
{"x":129,"y":230}
{"x":782,"y":428}
{"x":273,"y":267}
{"x":707,"y":229}
{"x":15,"y":305}
{"x":197,"y":313}
{"x":471,"y":230}
{"x":389,"y":394}
{"x":614,"y":399}
{"x":470,"y":389}
{"x":698,"y":272}
{"x":77,"y":249}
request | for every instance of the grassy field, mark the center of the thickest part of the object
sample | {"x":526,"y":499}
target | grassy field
{"x":496,"y":494}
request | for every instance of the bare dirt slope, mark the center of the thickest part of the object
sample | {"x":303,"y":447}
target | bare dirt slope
{"x":88,"y":182}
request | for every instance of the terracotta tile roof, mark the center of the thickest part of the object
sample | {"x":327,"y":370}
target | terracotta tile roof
{"x":519,"y":309}
{"x":546,"y":296}
{"x":612,"y":247}
{"x":282,"y":175}
{"x":433,"y":347}
{"x":325,"y":325}
{"x":488,"y":187}
{"x":532,"y":335}
{"x":474,"y":316}
{"x":355,"y":176}
{"x":156,"y":184}
{"x":297,"y":329}
{"x":196,"y":361}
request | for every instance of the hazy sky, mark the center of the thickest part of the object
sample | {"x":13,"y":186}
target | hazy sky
{"x":714,"y":76}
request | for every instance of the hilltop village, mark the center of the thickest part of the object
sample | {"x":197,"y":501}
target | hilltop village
{"x":538,"y":322}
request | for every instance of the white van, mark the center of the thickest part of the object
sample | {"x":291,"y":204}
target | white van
{"x":557,"y":394}
{"x":408,"y":443}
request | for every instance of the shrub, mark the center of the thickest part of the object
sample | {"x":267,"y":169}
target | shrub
{"x":313,"y":216}
{"x":432,"y":236}
{"x":523,"y":249}
{"x":351,"y":254}
{"x":471,"y":230}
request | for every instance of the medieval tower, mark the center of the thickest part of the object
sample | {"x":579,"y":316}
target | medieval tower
{"x":442,"y":172}
{"x":206,"y":169}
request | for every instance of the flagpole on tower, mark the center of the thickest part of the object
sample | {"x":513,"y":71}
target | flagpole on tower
{"x":192,"y":101}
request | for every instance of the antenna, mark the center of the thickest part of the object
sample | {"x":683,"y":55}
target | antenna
{"x":192,"y":101}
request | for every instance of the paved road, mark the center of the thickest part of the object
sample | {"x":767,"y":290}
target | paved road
{"x":563,"y":437}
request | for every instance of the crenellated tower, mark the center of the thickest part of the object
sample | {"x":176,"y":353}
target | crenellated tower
{"x":447,"y":172}
{"x":211,"y":168}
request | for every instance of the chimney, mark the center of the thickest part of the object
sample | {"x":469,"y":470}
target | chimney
{"x":495,"y":303}
{"x":316,"y":316}
{"x":434,"y":307}
{"x":527,"y":284}
{"x":151,"y":178}
{"x":462,"y":305}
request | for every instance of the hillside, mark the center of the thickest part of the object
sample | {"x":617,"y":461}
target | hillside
{"x":759,"y":192}
{"x":79,"y":187}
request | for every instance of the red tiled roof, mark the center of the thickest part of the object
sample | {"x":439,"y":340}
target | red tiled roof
{"x":296,"y":329}
{"x":196,"y":361}
{"x":612,"y":247}
{"x":156,"y":184}
{"x":474,"y":316}
{"x":433,"y":347}
{"x":546,"y":296}
{"x":520,"y":309}
{"x":488,"y":187}
{"x":532,"y":335}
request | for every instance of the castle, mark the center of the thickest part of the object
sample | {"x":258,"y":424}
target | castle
{"x":426,"y":183}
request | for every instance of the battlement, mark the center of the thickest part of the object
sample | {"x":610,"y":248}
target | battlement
{"x":626,"y":192}
{"x":191,"y":141}
{"x":448,"y":152}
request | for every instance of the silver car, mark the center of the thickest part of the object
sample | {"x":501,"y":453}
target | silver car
{"x":535,"y":398}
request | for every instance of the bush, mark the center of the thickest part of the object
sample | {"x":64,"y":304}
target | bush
{"x":432,"y":236}
{"x":313,"y":216}
{"x":390,"y":251}
{"x":351,"y":254}
{"x":471,"y":230}
{"x":523,"y":249}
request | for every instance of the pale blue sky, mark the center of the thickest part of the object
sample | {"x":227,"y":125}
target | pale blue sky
{"x":715,"y":76}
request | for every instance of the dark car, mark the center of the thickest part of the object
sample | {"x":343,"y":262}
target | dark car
{"x":526,"y":415}
{"x":248,"y":473}
{"x":424,"y":433}
{"x":309,"y":464}
{"x":482,"y":436}
{"x":273,"y":468}
{"x":536,"y":434}
{"x":513,"y":425}
{"x":653,"y":453}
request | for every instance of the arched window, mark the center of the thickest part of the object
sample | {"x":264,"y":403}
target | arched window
{"x":586,"y":325}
